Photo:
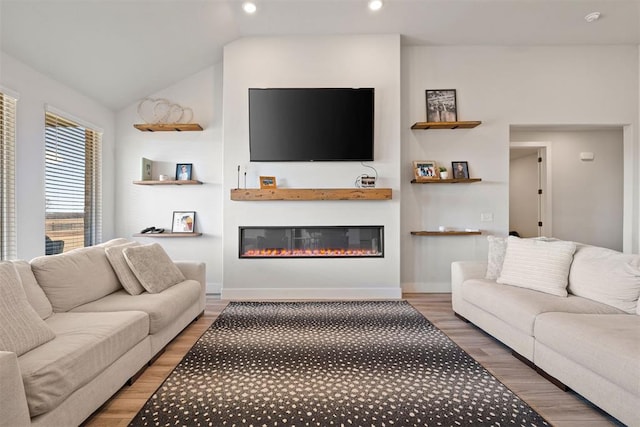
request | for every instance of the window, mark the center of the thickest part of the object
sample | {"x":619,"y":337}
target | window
{"x":72,"y":184}
{"x":7,"y":177}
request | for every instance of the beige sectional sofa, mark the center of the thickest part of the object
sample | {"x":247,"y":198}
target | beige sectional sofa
{"x":570,"y":310}
{"x":78,"y":336}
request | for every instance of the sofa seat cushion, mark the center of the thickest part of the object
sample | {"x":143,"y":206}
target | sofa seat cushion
{"x":75,"y":277}
{"x":162,"y":308}
{"x":85,"y":345}
{"x":519,"y":306}
{"x":607,"y":344}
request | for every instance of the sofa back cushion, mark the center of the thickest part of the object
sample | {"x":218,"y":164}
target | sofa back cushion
{"x":539,"y":265}
{"x":153,"y":267}
{"x":75,"y":277}
{"x":606,"y":276}
{"x":21,"y":328}
{"x":35,"y":294}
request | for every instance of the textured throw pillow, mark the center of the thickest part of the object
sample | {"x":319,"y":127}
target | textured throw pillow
{"x":35,"y":294}
{"x":21,"y":328}
{"x":153,"y":267}
{"x":537,"y":264}
{"x":606,"y":276}
{"x":497,"y":249}
{"x":129,"y":281}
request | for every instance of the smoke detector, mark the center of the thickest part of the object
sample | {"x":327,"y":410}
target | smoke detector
{"x":592,"y":17}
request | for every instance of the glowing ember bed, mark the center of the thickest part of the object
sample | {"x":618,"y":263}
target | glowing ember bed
{"x":312,"y":242}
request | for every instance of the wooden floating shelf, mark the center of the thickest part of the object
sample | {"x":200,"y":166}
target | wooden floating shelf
{"x":445,"y":125}
{"x":311,"y":194}
{"x":168,"y":127}
{"x":169,"y":182}
{"x":446,"y":233}
{"x":446,"y":181}
{"x":168,"y":234}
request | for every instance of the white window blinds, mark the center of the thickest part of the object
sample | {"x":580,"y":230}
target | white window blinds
{"x":8,"y":235}
{"x":72,"y":185}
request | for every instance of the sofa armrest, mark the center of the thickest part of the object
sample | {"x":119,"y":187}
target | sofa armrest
{"x":461,"y":271}
{"x":13,"y":401}
{"x":195,"y":270}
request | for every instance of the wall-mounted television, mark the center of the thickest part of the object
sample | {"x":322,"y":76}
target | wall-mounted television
{"x":311,"y":124}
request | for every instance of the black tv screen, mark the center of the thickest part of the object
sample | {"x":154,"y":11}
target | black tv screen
{"x":304,"y":124}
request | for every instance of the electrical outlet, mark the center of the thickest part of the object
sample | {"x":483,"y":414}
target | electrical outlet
{"x":486,"y":217}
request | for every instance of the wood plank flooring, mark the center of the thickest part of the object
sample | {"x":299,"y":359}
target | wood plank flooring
{"x":560,"y":408}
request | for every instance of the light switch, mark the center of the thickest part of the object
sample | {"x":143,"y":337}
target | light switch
{"x":486,"y":217}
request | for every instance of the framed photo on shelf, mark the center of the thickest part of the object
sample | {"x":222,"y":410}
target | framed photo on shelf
{"x":183,"y":222}
{"x":183,"y":171}
{"x":441,"y":105}
{"x":145,"y":169}
{"x":267,"y":182}
{"x":425,"y":170}
{"x":460,"y":170}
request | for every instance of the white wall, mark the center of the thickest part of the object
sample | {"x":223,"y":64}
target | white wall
{"x":338,"y":61}
{"x":141,"y":206}
{"x":35,"y":91}
{"x":587,"y":203}
{"x":523,"y":197}
{"x":501,"y":86}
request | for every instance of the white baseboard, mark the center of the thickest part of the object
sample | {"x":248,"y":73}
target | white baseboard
{"x":426,"y":288}
{"x":214,"y":288}
{"x":311,"y":293}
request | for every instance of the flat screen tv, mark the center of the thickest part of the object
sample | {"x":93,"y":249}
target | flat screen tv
{"x":311,"y":125}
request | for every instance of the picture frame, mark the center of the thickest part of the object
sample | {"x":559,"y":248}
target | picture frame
{"x":267,"y":182}
{"x":460,"y":170}
{"x":145,"y":169}
{"x":425,"y":170}
{"x":441,"y":105}
{"x":183,"y":222}
{"x":183,"y":171}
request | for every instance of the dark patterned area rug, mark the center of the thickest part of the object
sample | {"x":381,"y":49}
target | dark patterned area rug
{"x":356,"y":363}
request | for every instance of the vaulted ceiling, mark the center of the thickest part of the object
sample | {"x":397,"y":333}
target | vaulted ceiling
{"x":118,"y":51}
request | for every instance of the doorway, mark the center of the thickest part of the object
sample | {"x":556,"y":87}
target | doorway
{"x":530,"y":189}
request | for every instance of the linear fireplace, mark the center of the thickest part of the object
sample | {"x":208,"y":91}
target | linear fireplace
{"x":312,"y":242}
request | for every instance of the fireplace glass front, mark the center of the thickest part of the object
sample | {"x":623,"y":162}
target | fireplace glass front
{"x":312,"y":242}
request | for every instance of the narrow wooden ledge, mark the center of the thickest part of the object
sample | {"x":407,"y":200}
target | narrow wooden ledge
{"x":446,"y":125}
{"x":446,"y":181}
{"x":241,"y":195}
{"x":168,"y":127}
{"x":169,"y":182}
{"x":446,"y":233}
{"x":168,"y":234}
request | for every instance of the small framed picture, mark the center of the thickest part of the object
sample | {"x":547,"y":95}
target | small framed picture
{"x":460,"y":170}
{"x":267,"y":182}
{"x":424,"y":170}
{"x":183,"y":171}
{"x":441,"y":105}
{"x":183,"y":222}
{"x":145,"y":171}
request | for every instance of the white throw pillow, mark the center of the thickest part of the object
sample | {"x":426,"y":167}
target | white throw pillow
{"x":21,"y":328}
{"x":129,"y":281}
{"x":153,"y":267}
{"x":35,"y":294}
{"x":497,"y":249}
{"x":537,"y":264}
{"x":606,"y":276}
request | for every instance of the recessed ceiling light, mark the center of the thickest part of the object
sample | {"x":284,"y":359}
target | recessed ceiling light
{"x":249,"y":7}
{"x":375,"y":4}
{"x":593,"y":16}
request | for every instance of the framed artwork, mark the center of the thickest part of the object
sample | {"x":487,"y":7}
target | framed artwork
{"x":145,"y":171}
{"x":460,"y":170}
{"x":424,"y":170}
{"x":441,"y":105}
{"x":183,"y":222}
{"x":183,"y":171}
{"x":267,"y":182}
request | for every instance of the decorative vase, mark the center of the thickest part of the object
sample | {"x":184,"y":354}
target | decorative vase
{"x":444,"y":175}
